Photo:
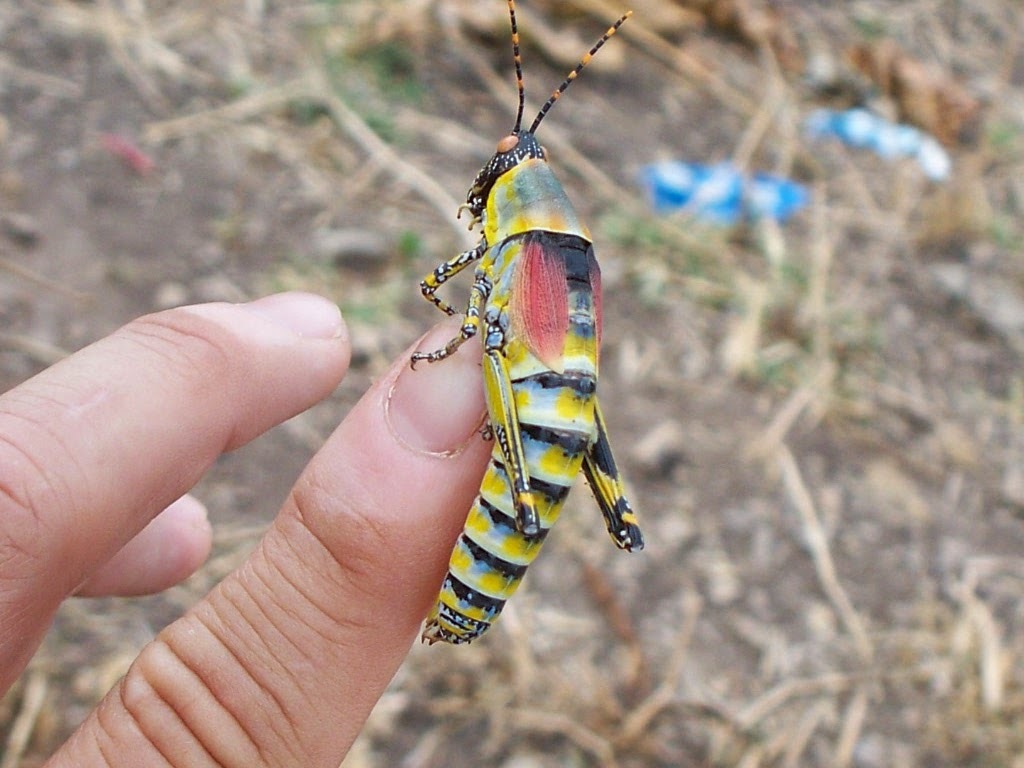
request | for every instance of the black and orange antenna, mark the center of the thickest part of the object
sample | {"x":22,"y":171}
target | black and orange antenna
{"x":518,"y":59}
{"x":575,"y":72}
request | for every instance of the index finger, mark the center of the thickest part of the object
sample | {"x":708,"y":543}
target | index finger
{"x":92,"y":448}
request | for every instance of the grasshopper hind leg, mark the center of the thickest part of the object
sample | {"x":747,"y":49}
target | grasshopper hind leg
{"x":506,"y":431}
{"x":606,"y":483}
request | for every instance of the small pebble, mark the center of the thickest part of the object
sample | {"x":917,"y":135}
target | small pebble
{"x":359,"y":249}
{"x":20,"y":227}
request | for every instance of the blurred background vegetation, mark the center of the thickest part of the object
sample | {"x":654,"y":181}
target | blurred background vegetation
{"x":821,"y":422}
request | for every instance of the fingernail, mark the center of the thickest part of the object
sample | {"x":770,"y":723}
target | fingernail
{"x":438,"y":407}
{"x":304,"y":314}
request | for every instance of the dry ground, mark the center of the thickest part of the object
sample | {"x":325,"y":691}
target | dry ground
{"x":822,"y":424}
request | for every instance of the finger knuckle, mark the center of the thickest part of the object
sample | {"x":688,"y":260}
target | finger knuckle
{"x":171,"y":685}
{"x":352,"y":542}
{"x":28,"y":490}
{"x":191,"y":349}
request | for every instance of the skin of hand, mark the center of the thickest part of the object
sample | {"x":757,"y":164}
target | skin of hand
{"x":282,"y":662}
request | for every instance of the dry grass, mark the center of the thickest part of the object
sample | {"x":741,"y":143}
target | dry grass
{"x":826,"y":435}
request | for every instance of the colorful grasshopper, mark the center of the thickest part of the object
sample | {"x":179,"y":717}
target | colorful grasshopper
{"x":537,"y":294}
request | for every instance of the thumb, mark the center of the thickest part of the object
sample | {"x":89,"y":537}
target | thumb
{"x":283,"y":661}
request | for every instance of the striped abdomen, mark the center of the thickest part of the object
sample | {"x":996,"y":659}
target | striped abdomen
{"x":491,"y":556}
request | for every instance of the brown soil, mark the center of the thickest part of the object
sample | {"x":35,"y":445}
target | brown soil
{"x":821,"y":424}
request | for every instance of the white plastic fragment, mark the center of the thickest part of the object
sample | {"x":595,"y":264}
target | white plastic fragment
{"x":863,"y":129}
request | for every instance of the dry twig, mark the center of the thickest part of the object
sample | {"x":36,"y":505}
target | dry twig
{"x":666,"y":694}
{"x":776,"y":95}
{"x":39,"y":351}
{"x":32,"y":701}
{"x":568,"y":726}
{"x":314,"y":88}
{"x":43,"y":281}
{"x":757,"y":710}
{"x":806,"y":396}
{"x":51,"y":85}
{"x":853,"y":725}
{"x":817,"y":543}
{"x":676,"y":58}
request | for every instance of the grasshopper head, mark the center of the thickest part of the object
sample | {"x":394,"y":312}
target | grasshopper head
{"x":521,"y":145}
{"x":512,"y":150}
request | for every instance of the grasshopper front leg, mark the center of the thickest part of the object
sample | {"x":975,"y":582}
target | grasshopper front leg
{"x":447,"y":270}
{"x":603,"y":476}
{"x":477,"y":297}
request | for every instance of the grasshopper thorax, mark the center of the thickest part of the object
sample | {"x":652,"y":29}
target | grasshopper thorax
{"x":510,"y":152}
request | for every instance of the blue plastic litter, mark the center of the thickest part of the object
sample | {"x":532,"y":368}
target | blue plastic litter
{"x":864,"y":129}
{"x":775,"y":197}
{"x":720,"y":193}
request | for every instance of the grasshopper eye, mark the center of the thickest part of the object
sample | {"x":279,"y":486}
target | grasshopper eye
{"x":508,"y":143}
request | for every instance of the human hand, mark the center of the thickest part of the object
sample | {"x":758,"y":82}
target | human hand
{"x":282,"y":662}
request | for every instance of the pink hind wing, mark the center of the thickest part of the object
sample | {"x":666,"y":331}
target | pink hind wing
{"x":540,"y":303}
